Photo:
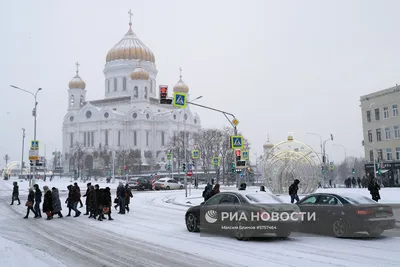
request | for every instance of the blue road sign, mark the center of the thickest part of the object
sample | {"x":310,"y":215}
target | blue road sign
{"x":34,"y":145}
{"x":237,"y":142}
{"x":180,"y":100}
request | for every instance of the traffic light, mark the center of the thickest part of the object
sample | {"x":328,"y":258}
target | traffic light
{"x":164,"y":94}
{"x":193,"y":163}
{"x":238,"y":154}
{"x":169,"y":166}
{"x":323,"y":169}
{"x":184,"y":167}
{"x":124,"y":167}
{"x":240,"y":163}
{"x":353,"y":171}
{"x":323,"y":158}
{"x":233,"y":167}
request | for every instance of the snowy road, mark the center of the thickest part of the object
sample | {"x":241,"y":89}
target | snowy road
{"x":154,"y":234}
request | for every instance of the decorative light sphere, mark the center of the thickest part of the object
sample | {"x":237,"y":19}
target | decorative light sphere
{"x":290,"y":160}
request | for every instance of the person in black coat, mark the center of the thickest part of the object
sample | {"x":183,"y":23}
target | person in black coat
{"x":373,"y":189}
{"x":78,"y":189}
{"x":48,"y":203}
{"x":128,"y":196}
{"x":15,"y":194}
{"x":86,"y":201}
{"x":293,"y":188}
{"x":108,"y":202}
{"x":38,"y":200}
{"x":121,"y":192}
{"x":91,"y":200}
{"x":69,"y":201}
{"x":29,"y":203}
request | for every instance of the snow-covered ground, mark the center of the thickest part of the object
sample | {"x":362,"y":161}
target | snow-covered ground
{"x":154,"y":234}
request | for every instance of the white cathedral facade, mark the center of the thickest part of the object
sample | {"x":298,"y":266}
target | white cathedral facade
{"x":130,"y":116}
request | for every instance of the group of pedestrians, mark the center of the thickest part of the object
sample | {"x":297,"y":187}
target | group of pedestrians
{"x":98,"y":201}
{"x":209,"y":191}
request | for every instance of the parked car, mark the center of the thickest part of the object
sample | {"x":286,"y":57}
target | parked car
{"x":167,"y":184}
{"x":242,"y":202}
{"x":140,"y":183}
{"x":345,"y":214}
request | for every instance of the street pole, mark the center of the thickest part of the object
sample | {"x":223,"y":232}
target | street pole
{"x":324,"y":156}
{"x":113,"y":165}
{"x":34,"y":113}
{"x":22,"y":157}
{"x":184,"y":154}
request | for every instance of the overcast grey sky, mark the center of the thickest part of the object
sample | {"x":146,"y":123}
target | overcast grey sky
{"x":279,"y":66}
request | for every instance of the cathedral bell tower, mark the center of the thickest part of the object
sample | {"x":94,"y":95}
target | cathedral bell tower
{"x":76,"y":92}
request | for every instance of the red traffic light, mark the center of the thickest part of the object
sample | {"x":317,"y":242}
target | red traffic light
{"x":163,"y":91}
{"x":124,"y":167}
{"x":238,"y":153}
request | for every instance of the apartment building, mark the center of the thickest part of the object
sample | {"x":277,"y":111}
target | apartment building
{"x":381,"y":131}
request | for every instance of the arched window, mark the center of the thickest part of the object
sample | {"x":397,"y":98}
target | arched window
{"x":136,"y":92}
{"x":371,"y":155}
{"x":124,"y":84}
{"x":108,"y":86}
{"x":81,"y":101}
{"x":119,"y":138}
{"x":151,"y":86}
{"x":115,"y":84}
{"x":72,"y":100}
{"x":135,"y":138}
{"x":145,"y":92}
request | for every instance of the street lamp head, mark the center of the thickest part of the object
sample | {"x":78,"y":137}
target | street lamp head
{"x":39,"y":89}
{"x":13,"y":86}
{"x":362,"y":142}
{"x":332,"y":137}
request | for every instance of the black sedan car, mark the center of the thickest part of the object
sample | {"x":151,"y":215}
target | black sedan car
{"x":140,"y":183}
{"x":345,"y":214}
{"x":243,"y":214}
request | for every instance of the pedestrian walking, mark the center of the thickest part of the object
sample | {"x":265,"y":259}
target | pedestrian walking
{"x":47,"y":202}
{"x":374,"y":188}
{"x":85,"y":195}
{"x":15,"y":194}
{"x":128,"y":196}
{"x":38,"y":200}
{"x":29,"y":203}
{"x":293,"y":188}
{"x":56,"y":202}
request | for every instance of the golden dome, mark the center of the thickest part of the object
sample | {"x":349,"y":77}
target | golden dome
{"x":77,"y":82}
{"x":130,"y":47}
{"x":139,"y":74}
{"x":268,"y":145}
{"x":181,"y":87}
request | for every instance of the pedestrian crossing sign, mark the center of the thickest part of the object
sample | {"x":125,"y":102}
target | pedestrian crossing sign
{"x":237,"y":142}
{"x":169,"y":156}
{"x":195,"y":154}
{"x":180,"y":100}
{"x":245,"y":155}
{"x":215,"y":161}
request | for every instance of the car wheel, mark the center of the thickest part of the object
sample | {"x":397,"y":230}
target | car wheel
{"x":283,"y":233}
{"x":167,"y":188}
{"x":241,"y":234}
{"x":191,"y":223}
{"x":375,"y":232}
{"x":181,"y":187}
{"x":340,"y":228}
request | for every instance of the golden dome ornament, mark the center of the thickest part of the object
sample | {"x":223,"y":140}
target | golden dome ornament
{"x":77,"y":82}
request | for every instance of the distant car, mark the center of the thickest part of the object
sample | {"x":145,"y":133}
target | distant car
{"x":247,"y":203}
{"x":139,"y":183}
{"x":167,"y":184}
{"x":345,"y":214}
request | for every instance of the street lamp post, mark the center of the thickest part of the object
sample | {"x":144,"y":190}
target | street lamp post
{"x":22,"y":157}
{"x":373,"y":155}
{"x":324,"y":153}
{"x":320,"y":140}
{"x":34,"y":113}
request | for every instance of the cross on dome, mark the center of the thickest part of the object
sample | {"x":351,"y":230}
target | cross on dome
{"x":77,"y":67}
{"x":180,"y":72}
{"x":267,"y":137}
{"x":130,"y":17}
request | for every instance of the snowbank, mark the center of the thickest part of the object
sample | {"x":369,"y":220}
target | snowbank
{"x":13,"y":254}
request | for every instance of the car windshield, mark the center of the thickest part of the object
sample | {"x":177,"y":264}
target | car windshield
{"x":133,"y":180}
{"x":263,"y":198}
{"x":355,"y":199}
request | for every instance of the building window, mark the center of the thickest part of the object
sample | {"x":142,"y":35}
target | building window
{"x":108,"y":86}
{"x":92,"y":139}
{"x":88,"y":114}
{"x":115,"y":84}
{"x":135,"y":92}
{"x":145,"y":93}
{"x":380,"y":154}
{"x":396,"y":131}
{"x":369,"y":116}
{"x":370,"y":136}
{"x":124,"y":84}
{"x":385,"y":112}
{"x":371,"y":155}
{"x":147,"y":138}
{"x":84,"y":139}
{"x":387,"y":133}
{"x":398,"y":153}
{"x":106,"y":137}
{"x":395,"y":111}
{"x":389,"y":154}
{"x":134,"y":115}
{"x":119,"y":138}
{"x":377,"y":117}
{"x":378,"y":135}
{"x":151,"y":86}
{"x":162,"y":138}
{"x":71,"y":140}
{"x":72,"y":100}
{"x":135,"y":138}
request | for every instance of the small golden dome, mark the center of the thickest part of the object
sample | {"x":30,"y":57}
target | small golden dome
{"x":139,"y":74}
{"x":268,"y":145}
{"x":77,"y":82}
{"x":181,"y":87}
{"x":130,"y":47}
